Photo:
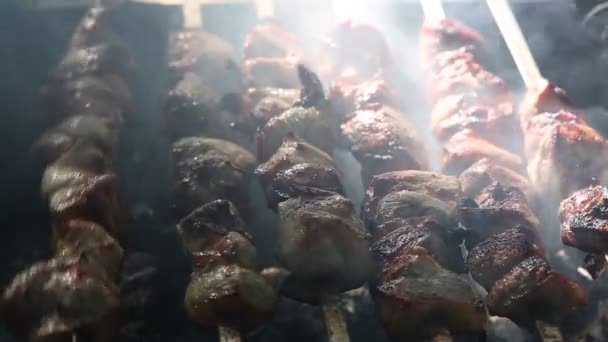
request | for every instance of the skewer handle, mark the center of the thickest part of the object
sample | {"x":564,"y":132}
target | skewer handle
{"x":433,"y":10}
{"x":511,"y":32}
{"x":229,"y":335}
{"x":335,"y":321}
{"x":191,"y":10}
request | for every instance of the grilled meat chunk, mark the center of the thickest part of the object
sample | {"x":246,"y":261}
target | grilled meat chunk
{"x":466,"y":148}
{"x":584,"y":219}
{"x":347,"y":98}
{"x":271,"y":72}
{"x":497,"y":209}
{"x":296,"y":163}
{"x":269,"y":102}
{"x":271,"y":40}
{"x":194,"y":108}
{"x":444,"y":188}
{"x":428,"y":299}
{"x":484,"y":173}
{"x":533,"y":291}
{"x":493,"y":258}
{"x":310,"y":119}
{"x":53,"y":300}
{"x":343,"y":57}
{"x":407,"y":204}
{"x":207,"y":169}
{"x":570,"y":156}
{"x":545,"y":98}
{"x":225,"y":288}
{"x":395,"y":247}
{"x":383,"y":141}
{"x":323,"y":244}
{"x":207,"y":56}
{"x":455,"y":113}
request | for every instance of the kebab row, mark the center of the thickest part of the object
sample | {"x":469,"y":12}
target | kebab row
{"x":505,"y":255}
{"x":74,"y":294}
{"x":420,"y":289}
{"x":212,"y":176}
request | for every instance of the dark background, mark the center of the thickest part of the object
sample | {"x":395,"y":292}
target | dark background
{"x":32,"y":42}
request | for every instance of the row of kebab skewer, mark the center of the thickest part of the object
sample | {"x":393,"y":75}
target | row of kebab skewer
{"x":269,"y":120}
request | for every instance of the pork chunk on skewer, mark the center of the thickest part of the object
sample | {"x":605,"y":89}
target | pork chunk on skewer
{"x":584,"y":221}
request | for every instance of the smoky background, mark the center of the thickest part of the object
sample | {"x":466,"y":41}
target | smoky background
{"x":33,"y":41}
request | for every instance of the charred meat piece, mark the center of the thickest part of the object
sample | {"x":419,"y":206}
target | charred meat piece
{"x":484,"y":173}
{"x":297,"y":163}
{"x":343,"y":56}
{"x":570,"y":156}
{"x":394,"y":247}
{"x":444,"y":188}
{"x":271,"y":40}
{"x":533,"y":291}
{"x":546,"y":98}
{"x":584,"y":219}
{"x":497,"y":209}
{"x":269,"y":102}
{"x":466,"y":148}
{"x":428,"y":299}
{"x":225,"y":288}
{"x":194,"y":108}
{"x":323,"y":243}
{"x":538,"y":125}
{"x":207,"y":169}
{"x":446,"y":35}
{"x":105,"y":59}
{"x":53,"y":300}
{"x":310,"y":119}
{"x":493,"y":258}
{"x":455,"y":113}
{"x":383,"y":141}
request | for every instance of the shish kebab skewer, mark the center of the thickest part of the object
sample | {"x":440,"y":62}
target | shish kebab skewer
{"x":565,"y":153}
{"x":225,"y":286}
{"x":75,"y":295}
{"x":482,"y":252}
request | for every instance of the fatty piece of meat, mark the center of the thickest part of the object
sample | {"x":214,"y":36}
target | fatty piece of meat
{"x":382,"y":140}
{"x":497,"y":209}
{"x":496,"y":123}
{"x":485,"y":173}
{"x":427,"y":300}
{"x":318,"y":169}
{"x":446,"y":35}
{"x":271,"y":72}
{"x":99,"y":95}
{"x":55,"y":299}
{"x":231,"y":249}
{"x":570,"y":156}
{"x":444,"y":188}
{"x":466,"y":148}
{"x":207,"y":169}
{"x":394,"y":248}
{"x":194,"y":108}
{"x":229,"y":296}
{"x":533,"y":291}
{"x":341,"y":53}
{"x":584,"y":219}
{"x":323,"y":244}
{"x":493,"y":258}
{"x":409,"y":204}
{"x":271,"y":40}
{"x":208,"y":57}
{"x":211,"y":222}
{"x":91,"y":243}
